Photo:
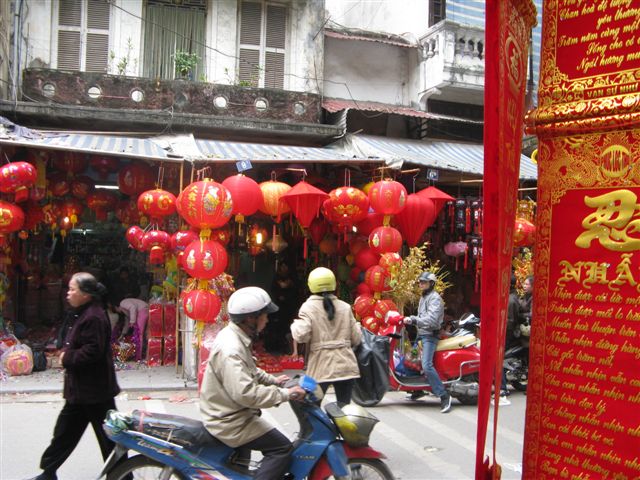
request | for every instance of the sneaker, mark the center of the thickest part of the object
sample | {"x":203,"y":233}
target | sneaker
{"x":445,"y":403}
{"x":505,"y":393}
{"x":413,"y":396}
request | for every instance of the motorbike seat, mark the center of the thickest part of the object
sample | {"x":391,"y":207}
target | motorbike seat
{"x":453,"y":343}
{"x":182,"y":431}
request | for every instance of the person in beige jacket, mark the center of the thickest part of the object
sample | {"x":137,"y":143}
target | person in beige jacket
{"x":234,"y":390}
{"x":327,"y":325}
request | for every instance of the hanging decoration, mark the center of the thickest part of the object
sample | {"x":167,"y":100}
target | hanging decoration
{"x":377,"y":279}
{"x":366,"y":258}
{"x":438,"y":197}
{"x":11,"y":220}
{"x":104,"y":165}
{"x":134,"y":236}
{"x":346,"y":206}
{"x":205,"y":205}
{"x":156,"y":204}
{"x":179,"y":242}
{"x":418,"y":214}
{"x":204,"y":259}
{"x":385,"y":239}
{"x":135,"y":178}
{"x":202,"y":305}
{"x":381,"y":308}
{"x":363,"y":306}
{"x":318,"y":229}
{"x":391,"y":262}
{"x":157,"y":243}
{"x":51,"y":212}
{"x":127,"y":212}
{"x":101,"y":202}
{"x":524,"y":233}
{"x":246,"y":195}
{"x":70,"y":163}
{"x":305,"y":201}
{"x":221,"y":235}
{"x":71,"y":210}
{"x":387,"y":197}
{"x":16,"y":178}
{"x":272,"y":202}
{"x":81,"y":186}
{"x":59,"y":184}
{"x":33,"y":215}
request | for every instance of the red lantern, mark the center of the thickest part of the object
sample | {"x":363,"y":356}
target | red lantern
{"x":385,"y":239}
{"x":205,"y":204}
{"x":370,"y":222}
{"x":134,"y":237}
{"x":363,"y":306}
{"x":102,"y":202}
{"x":438,"y":197}
{"x":51,"y":212}
{"x":181,"y":239}
{"x":157,"y":243}
{"x":11,"y":218}
{"x":377,"y":278}
{"x":221,"y":235}
{"x":358,"y":243}
{"x":354,"y":274}
{"x":524,"y":233}
{"x":346,"y":206}
{"x":127,"y":212}
{"x":70,"y":163}
{"x":318,"y":229}
{"x":387,"y":197}
{"x":381,"y":308}
{"x":135,"y":178}
{"x":105,"y":165}
{"x":81,"y":186}
{"x":33,"y":215}
{"x":392,"y":262}
{"x":418,"y":214}
{"x":371,"y":324}
{"x":328,"y":245}
{"x":72,"y":209}
{"x":204,"y":259}
{"x":156,"y":204}
{"x":272,"y":202}
{"x":246,"y":195}
{"x":201,"y":305}
{"x":59,"y":184}
{"x":305,"y":201}
{"x":363,"y":289}
{"x":366,"y":258}
{"x":16,"y":178}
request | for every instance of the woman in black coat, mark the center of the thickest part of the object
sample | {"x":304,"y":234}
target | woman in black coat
{"x":89,"y":380}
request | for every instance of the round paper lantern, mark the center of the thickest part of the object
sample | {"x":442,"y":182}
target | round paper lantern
{"x":363,"y":306}
{"x":363,"y":289}
{"x":205,"y":204}
{"x":318,"y":229}
{"x":387,"y":197}
{"x":222,"y":235}
{"x":381,"y":308}
{"x":377,"y":279}
{"x":11,"y":218}
{"x":51,"y":212}
{"x":70,"y":163}
{"x":272,"y":202}
{"x":181,"y":240}
{"x":354,"y":274}
{"x":385,"y":239}
{"x":59,"y":184}
{"x":201,"y":305}
{"x":127,"y":212}
{"x":104,"y":165}
{"x":328,"y":245}
{"x":358,"y":243}
{"x":156,"y":204}
{"x":33,"y":215}
{"x":366,"y":258}
{"x":204,"y":259}
{"x":135,"y":178}
{"x":72,"y":209}
{"x":246,"y":195}
{"x":392,"y":262}
{"x":134,"y":237}
{"x":157,"y":243}
{"x":523,"y":233}
{"x":370,"y":222}
{"x":82,"y":186}
{"x":101,"y":202}
{"x":346,"y":206}
{"x":16,"y":178}
{"x":371,"y":324}
{"x":438,"y":197}
{"x":418,"y":214}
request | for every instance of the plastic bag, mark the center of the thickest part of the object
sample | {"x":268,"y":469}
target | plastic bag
{"x":17,"y":360}
{"x":373,"y":362}
{"x":413,"y":357}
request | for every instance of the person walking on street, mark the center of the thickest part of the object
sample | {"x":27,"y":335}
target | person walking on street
{"x":328,"y":326}
{"x":234,"y":389}
{"x":526,"y":302}
{"x":90,"y":384}
{"x":429,"y":322}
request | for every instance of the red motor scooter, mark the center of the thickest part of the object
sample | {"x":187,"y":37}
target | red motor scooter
{"x":457,"y":361}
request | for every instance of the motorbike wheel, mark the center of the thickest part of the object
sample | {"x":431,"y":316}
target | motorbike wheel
{"x":368,"y":469}
{"x":468,"y":399}
{"x":143,"y":468}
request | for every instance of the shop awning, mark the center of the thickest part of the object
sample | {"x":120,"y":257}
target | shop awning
{"x":456,"y":156}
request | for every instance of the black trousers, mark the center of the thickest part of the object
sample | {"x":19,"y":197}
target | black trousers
{"x":70,"y":426}
{"x":276,"y":450}
{"x":342,"y":388}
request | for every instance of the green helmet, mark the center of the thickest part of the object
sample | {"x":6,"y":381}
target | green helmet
{"x":321,"y":280}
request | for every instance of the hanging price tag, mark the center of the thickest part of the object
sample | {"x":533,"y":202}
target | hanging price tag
{"x":432,"y":175}
{"x":243,"y":165}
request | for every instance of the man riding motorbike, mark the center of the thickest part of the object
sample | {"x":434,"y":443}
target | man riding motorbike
{"x":234,"y":389}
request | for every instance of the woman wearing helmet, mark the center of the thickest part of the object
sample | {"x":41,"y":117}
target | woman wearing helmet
{"x":328,"y":326}
{"x":234,"y":390}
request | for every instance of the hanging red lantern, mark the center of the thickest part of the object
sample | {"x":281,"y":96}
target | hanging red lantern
{"x":82,"y":186}
{"x":11,"y":218}
{"x":346,"y":206}
{"x":438,"y":197}
{"x":524,"y":233}
{"x":318,"y":229}
{"x":104,"y":165}
{"x":392,"y":262}
{"x":205,"y":204}
{"x":370,"y":222}
{"x":371,"y":324}
{"x":358,"y":243}
{"x":33,"y":215}
{"x":156,"y":204}
{"x":127,"y":212}
{"x":363,"y":289}
{"x":221,"y":235}
{"x":181,"y":239}
{"x":377,"y":279}
{"x":387,"y":197}
{"x":418,"y":214}
{"x":135,"y":178}
{"x":51,"y":212}
{"x":363,"y":306}
{"x":272,"y":202}
{"x":328,"y":245}
{"x":385,"y":239}
{"x":59,"y":184}
{"x":16,"y":178}
{"x":134,"y":236}
{"x":70,"y":163}
{"x":157,"y":243}
{"x":305,"y":201}
{"x":101,"y":202}
{"x":366,"y":258}
{"x":246,"y":195}
{"x":204,"y":259}
{"x":381,"y":308}
{"x":72,"y":209}
{"x":201,"y":305}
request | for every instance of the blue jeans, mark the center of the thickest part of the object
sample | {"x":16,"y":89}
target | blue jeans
{"x":429,"y":344}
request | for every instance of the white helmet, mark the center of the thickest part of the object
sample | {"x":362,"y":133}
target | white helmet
{"x":249,"y":300}
{"x":428,"y":277}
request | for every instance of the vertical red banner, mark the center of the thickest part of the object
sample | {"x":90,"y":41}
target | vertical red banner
{"x":507,"y":32}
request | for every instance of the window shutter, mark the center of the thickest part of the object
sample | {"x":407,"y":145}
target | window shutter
{"x":97,"y":56}
{"x":98,"y":15}
{"x":70,"y":13}
{"x":249,"y":66}
{"x":68,"y":50}
{"x":250,"y":23}
{"x":276,"y":26}
{"x":274,"y":70}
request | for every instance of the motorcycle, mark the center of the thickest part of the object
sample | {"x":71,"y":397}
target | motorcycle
{"x":332,"y":443}
{"x":457,"y":361}
{"x":516,"y":360}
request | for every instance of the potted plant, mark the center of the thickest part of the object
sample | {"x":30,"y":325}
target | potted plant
{"x":185,"y":62}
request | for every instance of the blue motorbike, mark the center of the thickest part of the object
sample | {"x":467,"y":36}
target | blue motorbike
{"x":332,"y":443}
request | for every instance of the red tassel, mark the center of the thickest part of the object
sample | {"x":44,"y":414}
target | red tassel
{"x":466,"y":257}
{"x":305,"y":250}
{"x":452,"y":217}
{"x":467,"y":220}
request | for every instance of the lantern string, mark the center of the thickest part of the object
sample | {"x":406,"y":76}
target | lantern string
{"x":273,"y":175}
{"x":160,"y":176}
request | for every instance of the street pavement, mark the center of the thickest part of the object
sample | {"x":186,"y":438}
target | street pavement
{"x":420,"y":443}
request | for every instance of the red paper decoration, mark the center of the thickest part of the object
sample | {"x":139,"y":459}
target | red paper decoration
{"x":16,"y":178}
{"x":205,"y":204}
{"x":524,"y":233}
{"x":370,"y":222}
{"x":59,"y":184}
{"x":371,"y":324}
{"x":156,"y":204}
{"x":363,"y":306}
{"x":418,"y":214}
{"x":157,"y":243}
{"x":82,"y":186}
{"x":72,"y":209}
{"x":181,"y":240}
{"x":33,"y":215}
{"x":346,"y":206}
{"x":377,"y":279}
{"x":201,"y":305}
{"x":438,"y":197}
{"x":317,"y":230}
{"x":135,"y":178}
{"x":392,"y":262}
{"x":127,"y":212}
{"x":363,"y":289}
{"x":272,"y":202}
{"x":204,"y":259}
{"x":11,"y":218}
{"x":366,"y":258}
{"x":246,"y":195}
{"x":70,"y":163}
{"x":305,"y":201}
{"x":102,"y":202}
{"x":105,"y":165}
{"x":385,"y":239}
{"x":134,"y":236}
{"x":381,"y":308}
{"x":387,"y":197}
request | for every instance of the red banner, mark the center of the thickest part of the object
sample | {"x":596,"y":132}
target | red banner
{"x":508,"y":26}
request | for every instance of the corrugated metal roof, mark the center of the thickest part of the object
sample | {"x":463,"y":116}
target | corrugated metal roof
{"x":371,"y":37}
{"x":259,"y":152}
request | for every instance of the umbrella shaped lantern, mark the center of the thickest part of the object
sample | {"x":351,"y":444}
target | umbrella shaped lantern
{"x":305,"y":201}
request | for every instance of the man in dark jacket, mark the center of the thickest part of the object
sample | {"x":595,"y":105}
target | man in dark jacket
{"x":89,"y":381}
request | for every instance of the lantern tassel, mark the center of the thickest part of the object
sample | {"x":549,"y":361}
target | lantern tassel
{"x":305,"y":251}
